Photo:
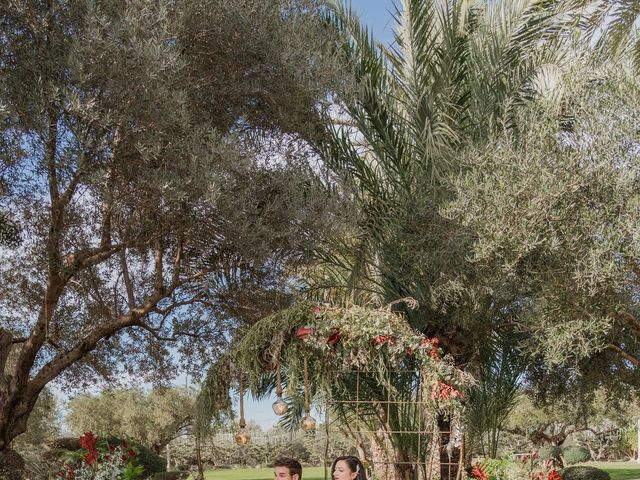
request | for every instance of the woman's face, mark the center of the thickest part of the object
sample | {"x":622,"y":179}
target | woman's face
{"x":343,"y":472}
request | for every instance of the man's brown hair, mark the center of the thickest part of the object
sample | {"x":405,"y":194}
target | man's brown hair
{"x":293,"y":465}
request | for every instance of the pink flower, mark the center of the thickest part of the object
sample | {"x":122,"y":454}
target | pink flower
{"x":303,"y":332}
{"x":433,"y":343}
{"x":380,"y":339}
{"x":443,"y":391}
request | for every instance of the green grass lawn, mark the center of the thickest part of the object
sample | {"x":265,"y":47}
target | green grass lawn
{"x":308,"y":473}
{"x":619,"y":470}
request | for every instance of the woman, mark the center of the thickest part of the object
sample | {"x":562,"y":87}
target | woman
{"x":347,"y":468}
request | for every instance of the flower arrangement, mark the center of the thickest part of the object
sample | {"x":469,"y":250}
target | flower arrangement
{"x":354,"y":338}
{"x":101,"y":462}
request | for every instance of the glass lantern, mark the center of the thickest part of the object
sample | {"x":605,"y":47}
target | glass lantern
{"x":243,"y":437}
{"x":308,"y":423}
{"x":280,"y":407}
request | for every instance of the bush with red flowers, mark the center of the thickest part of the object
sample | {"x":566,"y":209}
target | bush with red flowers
{"x":104,"y":462}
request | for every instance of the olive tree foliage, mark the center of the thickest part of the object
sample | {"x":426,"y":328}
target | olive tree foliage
{"x":152,"y":418}
{"x":156,"y":157}
{"x":555,"y":210}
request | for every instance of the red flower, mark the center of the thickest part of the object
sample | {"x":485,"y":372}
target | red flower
{"x":91,"y":457}
{"x":380,"y":339}
{"x":88,"y":441}
{"x":303,"y":332}
{"x":334,"y":338}
{"x":554,"y":475}
{"x":479,"y":473}
{"x":443,"y":391}
{"x":433,"y":344}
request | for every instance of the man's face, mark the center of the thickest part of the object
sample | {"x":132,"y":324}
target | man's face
{"x":282,"y":473}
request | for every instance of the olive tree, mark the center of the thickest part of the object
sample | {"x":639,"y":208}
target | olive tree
{"x":156,"y":159}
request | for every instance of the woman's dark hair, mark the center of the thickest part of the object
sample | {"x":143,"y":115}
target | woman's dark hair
{"x":354,"y":464}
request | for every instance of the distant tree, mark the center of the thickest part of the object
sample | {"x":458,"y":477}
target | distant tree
{"x":155,"y":158}
{"x":552,"y":423}
{"x":152,"y":418}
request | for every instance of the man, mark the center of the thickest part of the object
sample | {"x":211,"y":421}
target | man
{"x":287,"y":469}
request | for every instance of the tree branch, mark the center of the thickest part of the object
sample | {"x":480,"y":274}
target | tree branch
{"x":107,"y":203}
{"x":178,"y":260}
{"x":624,"y":354}
{"x":62,"y":361}
{"x":131,"y":300}
{"x":50,"y":153}
{"x":159,"y":278}
{"x":156,"y":333}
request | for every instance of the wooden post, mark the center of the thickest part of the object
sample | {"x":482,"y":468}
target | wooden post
{"x":638,"y":446}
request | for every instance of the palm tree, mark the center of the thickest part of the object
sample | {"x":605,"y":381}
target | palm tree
{"x":612,"y":27}
{"x":455,"y":76}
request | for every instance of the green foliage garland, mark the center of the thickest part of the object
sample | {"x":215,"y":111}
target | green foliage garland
{"x":337,"y":342}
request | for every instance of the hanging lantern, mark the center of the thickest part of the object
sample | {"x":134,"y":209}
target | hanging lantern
{"x":307,"y":423}
{"x":280,"y":407}
{"x":242,"y":437}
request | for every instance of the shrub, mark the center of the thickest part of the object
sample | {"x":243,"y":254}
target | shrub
{"x":550,"y":451}
{"x":573,"y":455}
{"x":584,"y":473}
{"x":151,"y":462}
{"x":64,"y":443}
{"x":497,"y":467}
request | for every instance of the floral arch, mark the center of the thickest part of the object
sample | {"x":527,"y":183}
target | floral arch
{"x":382,"y":381}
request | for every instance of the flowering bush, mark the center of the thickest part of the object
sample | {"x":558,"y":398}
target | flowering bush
{"x":540,"y":469}
{"x":104,"y":462}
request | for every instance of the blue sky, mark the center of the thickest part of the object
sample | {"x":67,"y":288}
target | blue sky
{"x":376,"y":14}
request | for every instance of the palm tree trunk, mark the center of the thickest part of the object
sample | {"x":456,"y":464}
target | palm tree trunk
{"x":449,"y":450}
